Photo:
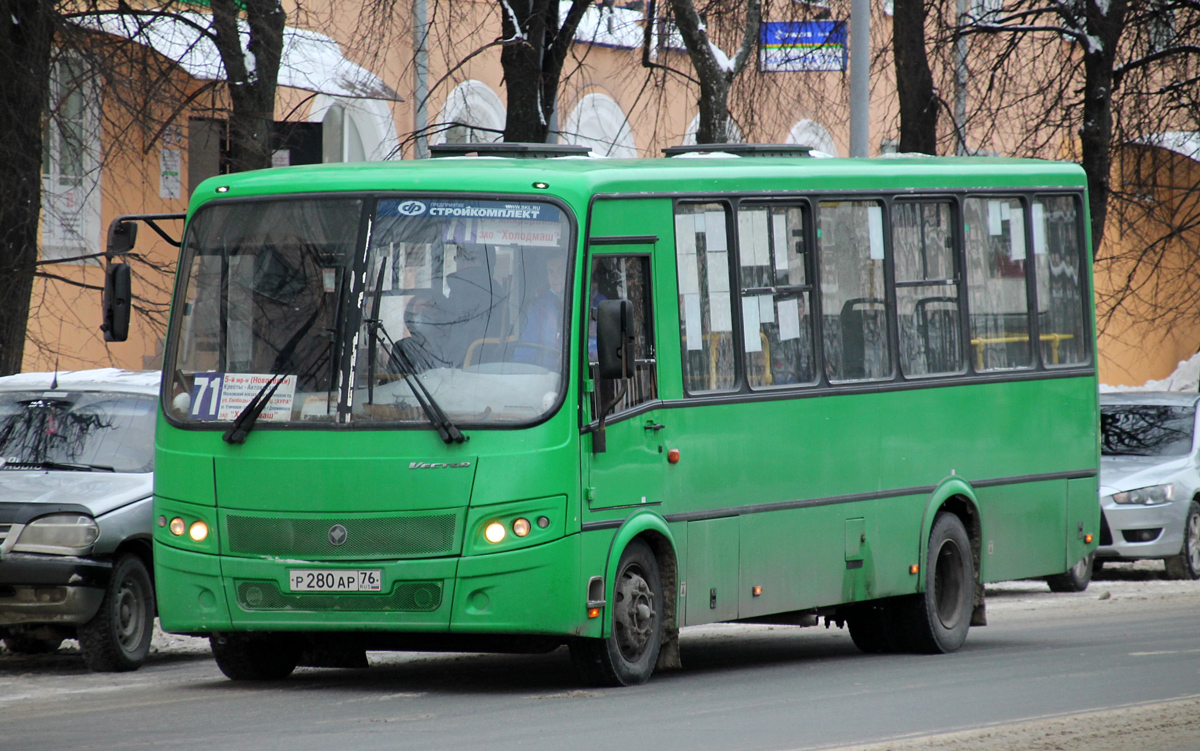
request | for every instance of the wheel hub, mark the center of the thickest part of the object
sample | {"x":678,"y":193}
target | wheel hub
{"x":634,"y":616}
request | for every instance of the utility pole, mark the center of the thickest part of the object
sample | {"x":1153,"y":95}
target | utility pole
{"x":860,"y":77}
{"x":421,"y":76}
{"x":960,"y":82}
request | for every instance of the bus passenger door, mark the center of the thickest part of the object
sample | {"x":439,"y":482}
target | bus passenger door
{"x":630,"y":471}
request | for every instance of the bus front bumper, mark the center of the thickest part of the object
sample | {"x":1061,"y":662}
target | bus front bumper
{"x":527,"y":591}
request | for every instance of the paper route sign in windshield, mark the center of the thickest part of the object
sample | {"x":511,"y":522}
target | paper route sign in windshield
{"x":490,"y":222}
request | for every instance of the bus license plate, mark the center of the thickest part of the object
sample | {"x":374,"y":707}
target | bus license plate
{"x":361,"y":580}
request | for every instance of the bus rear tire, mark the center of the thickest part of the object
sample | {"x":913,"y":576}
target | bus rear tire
{"x":940,"y":617}
{"x":628,"y":655}
{"x":256,"y":657}
{"x":873,"y":627}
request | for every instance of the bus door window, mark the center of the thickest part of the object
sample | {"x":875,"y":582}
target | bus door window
{"x":705,"y":308}
{"x":927,"y":304}
{"x":616,"y":277}
{"x":1060,"y":279}
{"x":997,"y":293}
{"x":776,"y":296}
{"x":850,"y":240}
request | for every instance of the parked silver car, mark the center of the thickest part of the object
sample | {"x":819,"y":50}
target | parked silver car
{"x":1150,"y":480}
{"x":76,"y":479}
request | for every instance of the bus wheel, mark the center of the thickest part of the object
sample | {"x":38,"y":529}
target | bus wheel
{"x":256,"y":657}
{"x":117,"y":638}
{"x":941,"y":615}
{"x":873,"y":628}
{"x":1076,"y":579}
{"x":628,"y":655}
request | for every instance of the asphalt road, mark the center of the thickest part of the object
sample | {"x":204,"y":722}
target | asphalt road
{"x":1124,"y":642}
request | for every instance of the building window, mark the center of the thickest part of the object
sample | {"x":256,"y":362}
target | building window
{"x":71,"y":163}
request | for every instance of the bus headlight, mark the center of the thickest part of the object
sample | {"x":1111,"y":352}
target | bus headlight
{"x":494,"y":532}
{"x":1150,"y":496}
{"x":198,"y":531}
{"x":58,"y":534}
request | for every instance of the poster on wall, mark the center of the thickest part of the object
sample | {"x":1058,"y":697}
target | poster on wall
{"x":790,"y":46}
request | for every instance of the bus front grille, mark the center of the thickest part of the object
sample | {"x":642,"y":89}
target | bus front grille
{"x":417,"y":597}
{"x":314,"y":539}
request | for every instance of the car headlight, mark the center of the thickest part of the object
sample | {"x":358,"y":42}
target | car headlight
{"x":1146,"y":496}
{"x":58,"y":534}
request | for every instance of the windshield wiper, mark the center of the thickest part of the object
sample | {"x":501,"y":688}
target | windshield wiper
{"x":437,"y":416}
{"x":47,"y":464}
{"x":244,"y":422}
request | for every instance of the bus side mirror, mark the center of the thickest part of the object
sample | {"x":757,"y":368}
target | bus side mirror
{"x":614,"y":338}
{"x":118,"y":297}
{"x":121,"y":237}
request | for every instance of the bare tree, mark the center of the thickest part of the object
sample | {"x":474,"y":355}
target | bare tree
{"x":535,"y":46}
{"x":25,"y":48}
{"x":715,"y":71}
{"x":915,"y":90}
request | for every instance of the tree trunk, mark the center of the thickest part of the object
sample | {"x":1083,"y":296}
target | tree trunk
{"x":1095,"y":133}
{"x":533,"y":65}
{"x":252,"y":93}
{"x":914,"y":81}
{"x":522,"y":62}
{"x":26,"y":35}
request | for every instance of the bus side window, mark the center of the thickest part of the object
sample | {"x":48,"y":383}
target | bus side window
{"x":776,"y":296}
{"x":616,"y":277}
{"x":998,"y":296}
{"x":1057,"y":251}
{"x":850,"y":244}
{"x":927,"y":305}
{"x":705,"y":307}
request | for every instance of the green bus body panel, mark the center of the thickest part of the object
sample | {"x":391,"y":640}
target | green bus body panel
{"x":817,"y":499}
{"x":712,"y":583}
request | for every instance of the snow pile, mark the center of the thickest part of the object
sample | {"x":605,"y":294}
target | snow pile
{"x":311,"y":61}
{"x":1185,"y":378}
{"x":607,"y":27}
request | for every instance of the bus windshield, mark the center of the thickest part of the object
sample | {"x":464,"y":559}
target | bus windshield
{"x":361,"y":319}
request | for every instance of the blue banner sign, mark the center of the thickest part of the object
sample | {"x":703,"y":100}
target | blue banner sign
{"x":788,"y":46}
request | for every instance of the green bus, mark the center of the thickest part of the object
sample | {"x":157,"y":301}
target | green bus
{"x":515,"y":399}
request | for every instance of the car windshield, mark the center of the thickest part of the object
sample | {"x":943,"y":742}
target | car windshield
{"x":366,"y":310}
{"x":1146,"y":429}
{"x":86,"y":429}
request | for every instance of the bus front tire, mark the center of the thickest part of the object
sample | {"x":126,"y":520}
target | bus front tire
{"x":941,"y":615}
{"x":117,"y":638}
{"x":256,"y":657}
{"x":628,"y":655}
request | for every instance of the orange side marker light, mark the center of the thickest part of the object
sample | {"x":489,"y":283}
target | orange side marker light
{"x":756,"y":591}
{"x":914,"y":569}
{"x":1087,"y":539}
{"x":593,"y":612}
{"x":673,"y":456}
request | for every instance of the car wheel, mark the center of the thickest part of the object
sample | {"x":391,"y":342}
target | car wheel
{"x":627,"y":657}
{"x":117,"y":638}
{"x":256,"y":657}
{"x":1186,"y":565}
{"x":938,"y":618}
{"x":1076,"y":579}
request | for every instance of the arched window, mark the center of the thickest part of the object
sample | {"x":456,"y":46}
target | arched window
{"x":812,"y":134}
{"x":473,"y":113}
{"x":599,"y":123}
{"x":355,"y":130}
